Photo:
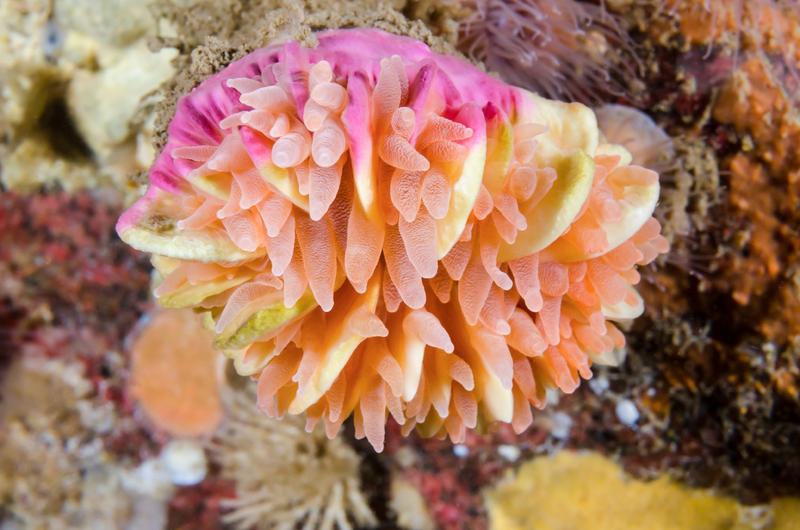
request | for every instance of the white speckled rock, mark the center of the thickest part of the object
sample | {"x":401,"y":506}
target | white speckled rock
{"x":410,"y":507}
{"x":104,"y":102}
{"x":93,"y":57}
{"x":150,"y":479}
{"x":627,"y":413}
{"x":185,"y":462}
{"x":114,"y":22}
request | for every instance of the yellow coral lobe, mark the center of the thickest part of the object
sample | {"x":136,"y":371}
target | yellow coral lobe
{"x":280,"y":178}
{"x":465,"y":191}
{"x":549,"y":218}
{"x":637,"y":191}
{"x":570,"y":127}
{"x":190,"y":294}
{"x":202,"y":247}
{"x":272,"y":316}
{"x":346,"y":328}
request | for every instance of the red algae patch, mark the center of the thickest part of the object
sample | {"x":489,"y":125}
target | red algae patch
{"x":174,"y":374}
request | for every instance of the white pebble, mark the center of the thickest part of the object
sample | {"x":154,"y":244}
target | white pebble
{"x":552,"y":396}
{"x":150,"y":479}
{"x":599,"y":384}
{"x":561,"y":425}
{"x":509,"y":452}
{"x":185,"y":462}
{"x":148,"y":514}
{"x":461,"y":450}
{"x":627,"y":413}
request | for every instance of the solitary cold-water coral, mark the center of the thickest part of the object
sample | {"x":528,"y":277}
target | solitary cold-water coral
{"x":372,"y":228}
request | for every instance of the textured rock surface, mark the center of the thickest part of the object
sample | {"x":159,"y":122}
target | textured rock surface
{"x":77,"y":80}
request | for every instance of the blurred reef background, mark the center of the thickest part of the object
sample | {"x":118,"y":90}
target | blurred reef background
{"x":104,"y":424}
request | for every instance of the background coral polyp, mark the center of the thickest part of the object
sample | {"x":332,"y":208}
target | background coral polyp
{"x":565,"y":49}
{"x":374,"y":229}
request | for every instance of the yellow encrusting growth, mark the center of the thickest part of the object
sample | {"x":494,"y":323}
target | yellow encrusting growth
{"x":587,"y":491}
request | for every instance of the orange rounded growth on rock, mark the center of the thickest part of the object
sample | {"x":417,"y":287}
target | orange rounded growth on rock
{"x":174,"y":374}
{"x":702,"y":23}
{"x":762,"y":24}
{"x":754,"y":102}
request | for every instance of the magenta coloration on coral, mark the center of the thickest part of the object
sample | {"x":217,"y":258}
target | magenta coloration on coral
{"x":354,"y":54}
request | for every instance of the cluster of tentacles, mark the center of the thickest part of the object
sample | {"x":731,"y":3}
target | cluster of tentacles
{"x":373,"y":229}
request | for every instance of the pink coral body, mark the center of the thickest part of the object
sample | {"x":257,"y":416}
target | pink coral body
{"x":375,"y":229}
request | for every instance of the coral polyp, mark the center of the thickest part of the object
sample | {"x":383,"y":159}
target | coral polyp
{"x":375,"y":229}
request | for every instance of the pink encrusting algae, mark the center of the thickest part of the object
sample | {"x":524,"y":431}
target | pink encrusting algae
{"x":374,"y":229}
